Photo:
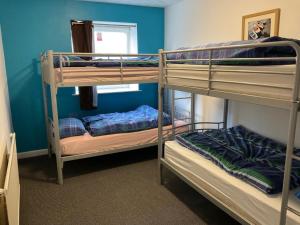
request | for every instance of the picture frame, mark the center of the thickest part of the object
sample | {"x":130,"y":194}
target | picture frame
{"x":260,"y":25}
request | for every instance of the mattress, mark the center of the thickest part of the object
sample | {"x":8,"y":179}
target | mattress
{"x":249,"y":201}
{"x":106,"y":75}
{"x":266,"y":81}
{"x":86,"y":143}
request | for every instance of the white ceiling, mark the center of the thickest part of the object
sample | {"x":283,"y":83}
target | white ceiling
{"x":153,"y":3}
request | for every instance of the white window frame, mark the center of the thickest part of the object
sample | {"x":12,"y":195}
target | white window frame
{"x":132,"y":49}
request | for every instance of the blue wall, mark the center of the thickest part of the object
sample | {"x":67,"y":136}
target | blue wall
{"x":32,"y":26}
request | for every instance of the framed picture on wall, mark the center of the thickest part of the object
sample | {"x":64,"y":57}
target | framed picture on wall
{"x":261,"y":25}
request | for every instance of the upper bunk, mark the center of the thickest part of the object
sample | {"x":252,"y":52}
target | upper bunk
{"x":90,"y":69}
{"x":264,"y":71}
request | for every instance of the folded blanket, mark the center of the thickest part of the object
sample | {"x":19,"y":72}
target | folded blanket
{"x":144,"y":117}
{"x":255,"y":52}
{"x":246,"y":155}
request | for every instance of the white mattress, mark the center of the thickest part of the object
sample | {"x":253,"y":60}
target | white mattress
{"x":88,"y":144}
{"x":277,"y":79}
{"x":82,"y":75}
{"x":264,"y":209}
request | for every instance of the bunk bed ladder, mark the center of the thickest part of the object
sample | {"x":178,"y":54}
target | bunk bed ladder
{"x":173,"y":108}
{"x":294,"y":108}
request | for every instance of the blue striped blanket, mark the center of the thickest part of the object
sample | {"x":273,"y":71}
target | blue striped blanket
{"x":142,"y":118}
{"x":254,"y":52}
{"x":256,"y":159}
{"x":75,"y":61}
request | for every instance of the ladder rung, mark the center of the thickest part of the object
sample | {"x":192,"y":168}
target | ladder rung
{"x":296,"y":157}
{"x":182,"y":98}
{"x":295,"y":211}
{"x":189,"y":97}
{"x":182,"y":119}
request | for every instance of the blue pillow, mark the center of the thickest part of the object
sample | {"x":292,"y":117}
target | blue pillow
{"x":69,"y":127}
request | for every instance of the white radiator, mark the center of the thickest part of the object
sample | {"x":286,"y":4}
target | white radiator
{"x":9,"y":185}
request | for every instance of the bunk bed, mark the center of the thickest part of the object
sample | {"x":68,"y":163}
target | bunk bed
{"x":257,"y":72}
{"x":86,"y":69}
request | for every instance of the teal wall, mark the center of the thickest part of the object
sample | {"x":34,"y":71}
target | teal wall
{"x":32,"y":26}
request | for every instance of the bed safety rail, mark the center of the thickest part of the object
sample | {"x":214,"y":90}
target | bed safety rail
{"x":214,"y":77}
{"x":87,"y":69}
{"x":190,"y":127}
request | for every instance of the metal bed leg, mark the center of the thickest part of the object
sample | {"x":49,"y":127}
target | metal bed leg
{"x":193,"y":96}
{"x":225,"y":115}
{"x":161,"y":174}
{"x":160,"y":117}
{"x":59,"y":166}
{"x":173,"y":111}
{"x":288,"y":162}
{"x":160,"y":134}
{"x":53,"y":89}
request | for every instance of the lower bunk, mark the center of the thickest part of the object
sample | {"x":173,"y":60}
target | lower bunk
{"x":87,"y":144}
{"x":109,"y":133}
{"x":245,"y":202}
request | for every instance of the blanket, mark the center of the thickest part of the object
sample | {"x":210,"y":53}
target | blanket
{"x":256,"y":159}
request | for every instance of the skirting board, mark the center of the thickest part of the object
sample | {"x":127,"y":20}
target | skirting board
{"x":34,"y":153}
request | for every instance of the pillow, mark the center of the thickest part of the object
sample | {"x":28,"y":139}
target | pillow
{"x":69,"y":127}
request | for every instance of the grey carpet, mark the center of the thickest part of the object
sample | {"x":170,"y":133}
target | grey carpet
{"x":111,"y":190}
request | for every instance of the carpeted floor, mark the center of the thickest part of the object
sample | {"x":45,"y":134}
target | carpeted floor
{"x":110,"y":190}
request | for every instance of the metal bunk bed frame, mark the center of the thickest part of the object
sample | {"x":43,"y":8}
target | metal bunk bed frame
{"x":52,"y":125}
{"x":291,"y":104}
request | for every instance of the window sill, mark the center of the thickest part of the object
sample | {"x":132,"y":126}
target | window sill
{"x":113,"y":92}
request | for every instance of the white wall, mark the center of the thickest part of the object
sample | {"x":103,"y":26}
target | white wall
{"x":194,"y":22}
{"x":5,"y":120}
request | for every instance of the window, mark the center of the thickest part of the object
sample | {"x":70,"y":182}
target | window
{"x":109,"y":37}
{"x":115,"y":38}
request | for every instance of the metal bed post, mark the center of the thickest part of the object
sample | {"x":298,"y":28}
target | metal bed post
{"x":45,"y":99}
{"x":53,"y":87}
{"x":193,"y":96}
{"x":160,"y":116}
{"x":173,"y":112}
{"x":225,"y":115}
{"x":291,"y":139}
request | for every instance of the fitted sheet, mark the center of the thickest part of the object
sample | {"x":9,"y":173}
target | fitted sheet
{"x":105,"y":75}
{"x":273,"y":81}
{"x":88,"y":144}
{"x":262,"y":208}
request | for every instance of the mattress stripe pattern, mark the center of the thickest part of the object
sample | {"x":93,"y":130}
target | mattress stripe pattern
{"x":256,"y":159}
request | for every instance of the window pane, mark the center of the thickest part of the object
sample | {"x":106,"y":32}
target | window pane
{"x":113,"y":86}
{"x":111,"y":42}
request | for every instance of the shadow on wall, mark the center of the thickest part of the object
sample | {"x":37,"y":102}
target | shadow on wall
{"x":26,"y":100}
